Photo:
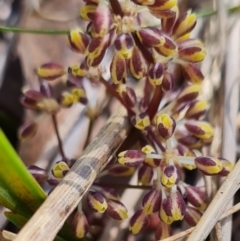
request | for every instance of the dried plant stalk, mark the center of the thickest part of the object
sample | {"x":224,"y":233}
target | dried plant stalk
{"x":48,"y":220}
{"x":217,"y":206}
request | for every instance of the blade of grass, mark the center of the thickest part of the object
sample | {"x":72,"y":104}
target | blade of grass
{"x":15,"y":178}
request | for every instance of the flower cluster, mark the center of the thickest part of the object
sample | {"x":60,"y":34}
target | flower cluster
{"x":170,"y":117}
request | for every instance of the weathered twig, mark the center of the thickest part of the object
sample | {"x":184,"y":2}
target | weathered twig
{"x":47,"y":221}
{"x":217,"y":206}
{"x":184,"y":233}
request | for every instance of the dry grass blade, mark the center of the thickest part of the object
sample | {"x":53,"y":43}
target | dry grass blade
{"x":217,"y":206}
{"x":182,"y":234}
{"x":47,"y":221}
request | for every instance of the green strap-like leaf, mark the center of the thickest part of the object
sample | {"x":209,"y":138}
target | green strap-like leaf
{"x":15,"y":180}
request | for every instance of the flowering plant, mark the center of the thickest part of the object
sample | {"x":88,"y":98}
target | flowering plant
{"x":169,"y":116}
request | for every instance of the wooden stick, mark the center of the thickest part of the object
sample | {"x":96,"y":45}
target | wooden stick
{"x":217,"y":206}
{"x":49,"y":218}
{"x":184,"y":233}
{"x":7,"y":236}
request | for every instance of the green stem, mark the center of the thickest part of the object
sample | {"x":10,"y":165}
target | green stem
{"x":208,"y":13}
{"x":33,"y":31}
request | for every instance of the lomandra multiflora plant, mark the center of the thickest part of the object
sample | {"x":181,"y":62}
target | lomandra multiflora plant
{"x":169,"y":116}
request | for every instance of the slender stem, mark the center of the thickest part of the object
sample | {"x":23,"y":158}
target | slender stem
{"x":90,"y":127}
{"x":60,"y":145}
{"x":155,"y":139}
{"x":208,"y":13}
{"x":33,"y":31}
{"x":116,"y":7}
{"x":120,"y":185}
{"x":156,"y":99}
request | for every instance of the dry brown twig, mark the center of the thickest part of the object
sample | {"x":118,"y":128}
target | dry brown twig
{"x":47,"y":221}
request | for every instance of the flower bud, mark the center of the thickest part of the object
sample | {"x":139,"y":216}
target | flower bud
{"x":102,"y":19}
{"x":187,"y":139}
{"x":163,"y":231}
{"x":131,"y":158}
{"x":96,"y":201}
{"x":96,"y":50}
{"x":48,"y":105}
{"x":189,"y":93}
{"x":192,"y":73}
{"x":118,"y":69}
{"x":196,"y":197}
{"x":50,"y":71}
{"x":151,"y":201}
{"x":117,"y":170}
{"x":170,"y":176}
{"x":141,"y":121}
{"x":152,"y":162}
{"x":227,"y":167}
{"x":145,"y":175}
{"x":87,"y":12}
{"x":124,"y":45}
{"x":116,"y":210}
{"x":31,"y":98}
{"x":138,"y":222}
{"x":173,"y":207}
{"x":27,"y":131}
{"x":165,"y":125}
{"x":168,"y":49}
{"x":161,"y":14}
{"x":60,"y":169}
{"x":200,"y":129}
{"x":138,"y":65}
{"x":109,"y":193}
{"x":80,"y":225}
{"x":191,"y":50}
{"x":163,"y":5}
{"x":38,"y":173}
{"x":192,"y":216}
{"x":196,"y":109}
{"x":128,"y":95}
{"x":167,"y":82}
{"x":78,"y":41}
{"x":208,"y":165}
{"x":155,"y":74}
{"x":184,"y":24}
{"x":151,"y":36}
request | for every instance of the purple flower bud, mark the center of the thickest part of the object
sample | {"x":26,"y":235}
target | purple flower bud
{"x":96,"y":201}
{"x":166,"y":125}
{"x":27,"y":131}
{"x":50,"y":71}
{"x":151,"y":201}
{"x":192,"y":216}
{"x":38,"y":173}
{"x":208,"y":165}
{"x":131,"y":158}
{"x":80,"y":224}
{"x":145,"y":175}
{"x":138,"y":222}
{"x":116,"y":210}
{"x":196,"y":197}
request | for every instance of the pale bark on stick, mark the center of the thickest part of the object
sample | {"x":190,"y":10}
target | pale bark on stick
{"x":217,"y":206}
{"x":48,"y":220}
